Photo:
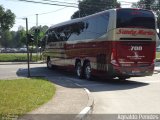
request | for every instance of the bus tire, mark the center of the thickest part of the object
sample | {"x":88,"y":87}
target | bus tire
{"x":49,"y":64}
{"x":87,"y":71}
{"x":78,"y":70}
{"x":123,"y":78}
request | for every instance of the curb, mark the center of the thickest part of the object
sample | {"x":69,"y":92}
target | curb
{"x":85,"y":114}
{"x":7,"y":63}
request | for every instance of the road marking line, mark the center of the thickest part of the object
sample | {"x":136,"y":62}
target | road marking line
{"x":150,"y":81}
{"x":87,"y":90}
{"x":83,"y":115}
{"x":92,"y":85}
{"x":78,"y":84}
{"x":85,"y":110}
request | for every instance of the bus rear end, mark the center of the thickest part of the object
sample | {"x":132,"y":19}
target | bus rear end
{"x":134,"y":43}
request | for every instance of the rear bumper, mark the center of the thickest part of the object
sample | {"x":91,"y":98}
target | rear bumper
{"x":133,"y":71}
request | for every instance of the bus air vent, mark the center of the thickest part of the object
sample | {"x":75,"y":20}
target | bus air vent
{"x":148,"y":39}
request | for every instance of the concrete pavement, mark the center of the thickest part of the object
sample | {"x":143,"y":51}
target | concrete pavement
{"x":67,"y":103}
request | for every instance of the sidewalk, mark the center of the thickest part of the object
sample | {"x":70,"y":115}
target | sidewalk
{"x":67,"y":103}
{"x":7,"y":63}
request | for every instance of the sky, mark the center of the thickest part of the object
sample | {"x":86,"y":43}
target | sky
{"x":47,"y":14}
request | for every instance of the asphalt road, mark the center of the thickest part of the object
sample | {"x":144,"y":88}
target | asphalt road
{"x":134,"y":96}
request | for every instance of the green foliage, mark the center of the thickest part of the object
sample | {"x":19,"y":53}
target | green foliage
{"x":17,"y":39}
{"x":38,"y":33}
{"x":158,"y":55}
{"x":16,"y":57}
{"x":88,"y":7}
{"x":20,"y":96}
{"x":146,"y":4}
{"x":11,"y":38}
{"x":7,"y":19}
{"x":6,"y":37}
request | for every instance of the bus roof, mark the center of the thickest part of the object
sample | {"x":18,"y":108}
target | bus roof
{"x":86,"y":17}
{"x":79,"y":19}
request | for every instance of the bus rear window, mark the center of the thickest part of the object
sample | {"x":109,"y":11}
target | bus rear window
{"x":135,"y":18}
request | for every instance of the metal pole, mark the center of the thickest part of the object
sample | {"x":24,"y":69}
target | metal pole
{"x":28,"y":60}
{"x":79,"y":13}
{"x":37,"y":37}
{"x":79,"y":9}
{"x":36,"y":20}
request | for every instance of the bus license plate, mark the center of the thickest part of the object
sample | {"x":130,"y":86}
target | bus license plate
{"x":135,"y":71}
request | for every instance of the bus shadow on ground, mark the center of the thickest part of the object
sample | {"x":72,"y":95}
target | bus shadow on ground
{"x":114,"y":84}
{"x":68,"y":79}
{"x":59,"y":77}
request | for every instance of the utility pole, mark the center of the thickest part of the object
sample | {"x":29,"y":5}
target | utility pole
{"x":27,"y":42}
{"x":36,"y":20}
{"x":79,"y":9}
{"x":36,"y":36}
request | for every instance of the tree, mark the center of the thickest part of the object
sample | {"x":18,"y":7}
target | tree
{"x":6,"y":39}
{"x":88,"y":7}
{"x":145,"y":4}
{"x":7,"y":19}
{"x":38,"y":33}
{"x":20,"y":38}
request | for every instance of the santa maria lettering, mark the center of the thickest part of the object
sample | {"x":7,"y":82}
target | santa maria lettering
{"x":135,"y":32}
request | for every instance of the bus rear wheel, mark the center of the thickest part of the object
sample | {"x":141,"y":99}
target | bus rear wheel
{"x":123,"y":78}
{"x":79,"y":71}
{"x":87,"y":71}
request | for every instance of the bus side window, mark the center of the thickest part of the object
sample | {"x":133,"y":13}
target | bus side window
{"x":62,"y":37}
{"x":102,"y":24}
{"x":77,"y":31}
{"x":62,"y":34}
{"x":97,"y":26}
{"x":52,"y":37}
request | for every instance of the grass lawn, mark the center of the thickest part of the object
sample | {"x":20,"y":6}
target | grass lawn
{"x":158,"y":55}
{"x":15,"y":57}
{"x":20,"y":96}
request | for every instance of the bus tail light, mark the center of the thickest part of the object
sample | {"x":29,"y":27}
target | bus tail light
{"x":114,"y":57}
